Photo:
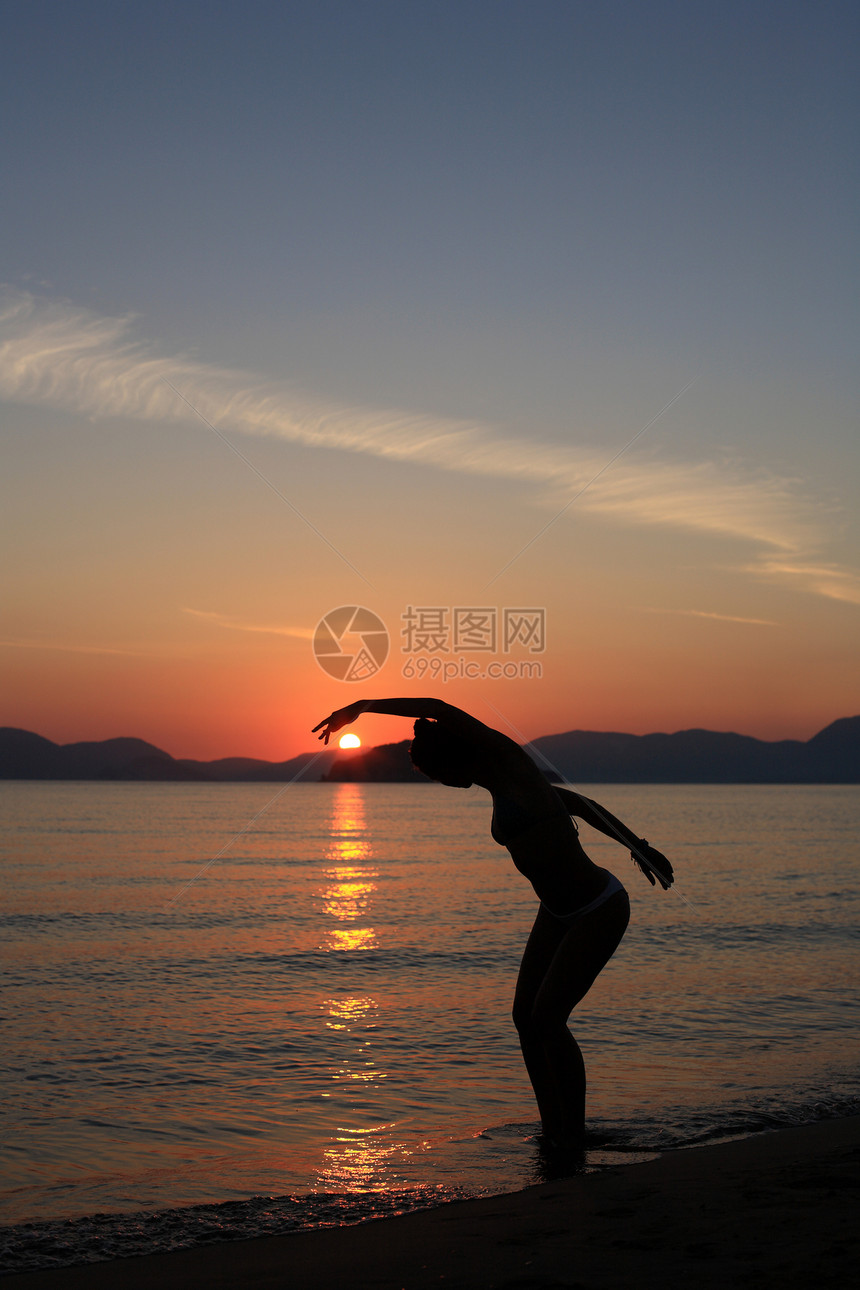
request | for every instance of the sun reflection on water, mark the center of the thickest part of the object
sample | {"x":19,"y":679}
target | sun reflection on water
{"x":359,"y":1160}
{"x":344,"y":1013}
{"x":346,"y":895}
{"x":357,"y":938}
{"x":358,"y":1157}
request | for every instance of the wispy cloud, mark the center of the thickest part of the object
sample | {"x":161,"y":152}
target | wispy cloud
{"x":722,"y":618}
{"x":834,"y":581}
{"x":233,"y":624}
{"x":53,"y":354}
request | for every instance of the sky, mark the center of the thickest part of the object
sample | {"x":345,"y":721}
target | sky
{"x":537,"y":317}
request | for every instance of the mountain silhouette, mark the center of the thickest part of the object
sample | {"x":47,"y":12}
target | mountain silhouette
{"x":24,"y":755}
{"x":575,"y":757}
{"x":704,"y":757}
{"x":386,"y":763}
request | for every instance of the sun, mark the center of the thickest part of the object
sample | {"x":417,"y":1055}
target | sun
{"x":349,"y":741}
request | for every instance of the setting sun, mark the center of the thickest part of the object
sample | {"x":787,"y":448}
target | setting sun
{"x":349,"y":741}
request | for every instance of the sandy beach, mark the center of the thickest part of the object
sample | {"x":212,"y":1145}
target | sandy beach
{"x":778,"y":1209}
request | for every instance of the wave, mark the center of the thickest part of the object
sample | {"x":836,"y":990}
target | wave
{"x":96,"y":1238}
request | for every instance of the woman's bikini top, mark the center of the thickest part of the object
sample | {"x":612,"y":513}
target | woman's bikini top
{"x":510,"y":818}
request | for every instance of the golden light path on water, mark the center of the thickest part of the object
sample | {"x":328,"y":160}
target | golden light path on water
{"x":359,"y":1157}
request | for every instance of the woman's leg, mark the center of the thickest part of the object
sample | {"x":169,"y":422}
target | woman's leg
{"x":544,"y":940}
{"x":559,"y":967}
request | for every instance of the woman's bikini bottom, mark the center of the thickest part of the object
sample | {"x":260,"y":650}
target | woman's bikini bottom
{"x":612,"y":886}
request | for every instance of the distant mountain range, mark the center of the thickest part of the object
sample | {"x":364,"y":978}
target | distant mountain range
{"x":705,"y":757}
{"x":576,"y":757}
{"x":27,"y":756}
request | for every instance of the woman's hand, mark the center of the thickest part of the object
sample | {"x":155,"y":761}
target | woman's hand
{"x":651,"y":861}
{"x":342,"y":717}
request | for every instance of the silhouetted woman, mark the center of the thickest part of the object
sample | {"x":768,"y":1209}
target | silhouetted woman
{"x":584,"y":910}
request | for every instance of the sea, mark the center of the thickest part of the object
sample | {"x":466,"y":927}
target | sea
{"x":232,"y":1010}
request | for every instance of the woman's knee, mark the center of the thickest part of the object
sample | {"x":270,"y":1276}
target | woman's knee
{"x":549,"y":1024}
{"x":537,"y":1023}
{"x":521,"y":1013}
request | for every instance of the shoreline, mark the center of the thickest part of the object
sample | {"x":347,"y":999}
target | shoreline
{"x":776,"y":1208}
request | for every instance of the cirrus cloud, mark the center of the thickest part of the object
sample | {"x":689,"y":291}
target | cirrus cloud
{"x":56,"y":355}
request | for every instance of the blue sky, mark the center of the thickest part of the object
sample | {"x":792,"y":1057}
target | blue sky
{"x":433,"y":265}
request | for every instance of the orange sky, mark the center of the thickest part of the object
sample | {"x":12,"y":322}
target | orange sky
{"x":259,"y":695}
{"x":179,"y":606}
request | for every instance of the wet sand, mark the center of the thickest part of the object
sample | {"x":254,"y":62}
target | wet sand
{"x":776,"y":1210}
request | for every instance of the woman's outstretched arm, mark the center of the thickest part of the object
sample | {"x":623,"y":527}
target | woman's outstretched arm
{"x":454,"y":718}
{"x":647,"y":858}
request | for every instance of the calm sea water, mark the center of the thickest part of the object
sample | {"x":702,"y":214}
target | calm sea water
{"x":317,"y":1029}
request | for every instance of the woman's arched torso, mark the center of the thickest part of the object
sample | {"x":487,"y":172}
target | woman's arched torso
{"x":532,"y":822}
